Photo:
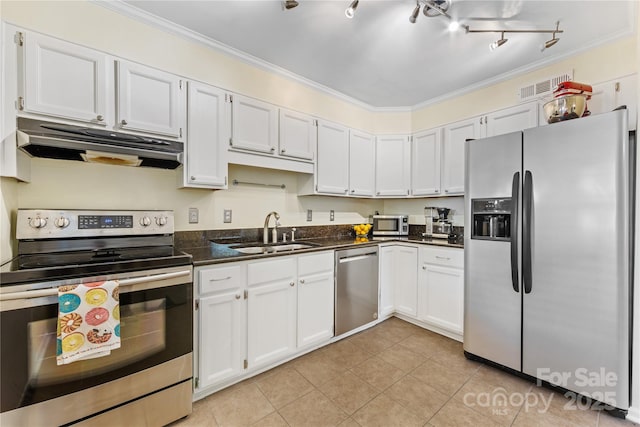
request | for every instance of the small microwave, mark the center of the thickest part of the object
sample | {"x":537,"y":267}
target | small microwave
{"x":390,"y":225}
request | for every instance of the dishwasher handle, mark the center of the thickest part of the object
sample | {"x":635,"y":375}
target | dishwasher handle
{"x":356,"y":257}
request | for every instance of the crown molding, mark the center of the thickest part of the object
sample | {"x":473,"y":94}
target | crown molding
{"x":142,"y":16}
{"x":139,"y":15}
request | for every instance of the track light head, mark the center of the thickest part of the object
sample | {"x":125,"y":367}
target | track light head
{"x":290,"y":4}
{"x":414,"y":14}
{"x":351,"y":10}
{"x":551,"y":42}
{"x":496,"y":44}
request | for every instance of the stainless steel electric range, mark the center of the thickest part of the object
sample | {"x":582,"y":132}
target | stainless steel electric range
{"x":145,"y":382}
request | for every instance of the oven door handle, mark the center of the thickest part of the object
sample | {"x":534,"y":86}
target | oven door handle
{"x":38,"y":293}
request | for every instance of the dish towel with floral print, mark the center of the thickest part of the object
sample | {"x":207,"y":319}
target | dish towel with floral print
{"x":88,"y":321}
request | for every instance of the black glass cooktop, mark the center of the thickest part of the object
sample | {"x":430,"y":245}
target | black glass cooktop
{"x":63,"y":265}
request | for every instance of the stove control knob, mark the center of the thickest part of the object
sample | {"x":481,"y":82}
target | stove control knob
{"x":37,"y":222}
{"x":161,"y":220}
{"x":145,"y":221}
{"x":61,"y":222}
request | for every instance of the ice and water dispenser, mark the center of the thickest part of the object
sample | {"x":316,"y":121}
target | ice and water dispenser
{"x":491,"y":219}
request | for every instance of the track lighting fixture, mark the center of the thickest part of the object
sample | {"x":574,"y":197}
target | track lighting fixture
{"x":289,"y":4}
{"x":496,"y":44}
{"x":414,"y":14}
{"x":351,"y":9}
{"x":502,"y":40}
{"x":553,"y":39}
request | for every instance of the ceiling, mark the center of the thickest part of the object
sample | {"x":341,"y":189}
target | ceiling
{"x":380,"y":59}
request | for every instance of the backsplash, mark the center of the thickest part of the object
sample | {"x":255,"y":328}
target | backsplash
{"x":193,"y":239}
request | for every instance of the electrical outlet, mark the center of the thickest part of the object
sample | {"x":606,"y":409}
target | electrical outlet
{"x":193,"y":215}
{"x":227,"y":215}
{"x":309,"y":215}
{"x":332,"y":215}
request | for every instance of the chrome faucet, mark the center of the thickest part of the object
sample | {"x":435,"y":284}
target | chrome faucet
{"x":265,"y":237}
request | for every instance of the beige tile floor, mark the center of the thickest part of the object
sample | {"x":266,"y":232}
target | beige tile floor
{"x":394,"y":374}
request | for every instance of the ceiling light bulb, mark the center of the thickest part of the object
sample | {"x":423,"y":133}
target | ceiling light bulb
{"x":454,"y":26}
{"x":414,"y":14}
{"x":351,"y":9}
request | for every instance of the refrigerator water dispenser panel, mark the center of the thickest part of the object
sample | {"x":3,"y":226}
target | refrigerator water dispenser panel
{"x":491,"y":219}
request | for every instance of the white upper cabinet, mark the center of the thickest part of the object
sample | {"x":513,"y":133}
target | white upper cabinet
{"x":205,"y":151}
{"x":332,"y":164}
{"x":455,"y":136}
{"x":149,"y":100}
{"x":393,"y":163}
{"x":425,"y":163}
{"x":254,"y":125}
{"x":64,"y":80}
{"x":614,"y":93}
{"x":362,"y":175}
{"x":513,"y":119}
{"x":297,"y":135}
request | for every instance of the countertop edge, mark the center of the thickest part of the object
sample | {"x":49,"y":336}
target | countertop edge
{"x":211,"y":258}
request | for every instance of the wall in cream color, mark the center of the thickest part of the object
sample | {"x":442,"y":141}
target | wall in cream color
{"x":87,"y":185}
{"x":606,"y":62}
{"x":89,"y":24}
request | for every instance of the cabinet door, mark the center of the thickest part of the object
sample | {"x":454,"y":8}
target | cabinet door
{"x":222,"y":328}
{"x":425,"y":163}
{"x":272,"y":322}
{"x":315,"y":298}
{"x":393,"y":163}
{"x":614,"y":93}
{"x":362,"y":151}
{"x":406,"y":280}
{"x":332,"y":165}
{"x":442,"y":297}
{"x":149,"y":100}
{"x":523,"y":116}
{"x":254,"y":125}
{"x":386,"y":275}
{"x":298,"y":135}
{"x":205,"y":150}
{"x":271,"y":308}
{"x":65,"y":80}
{"x":455,"y":136}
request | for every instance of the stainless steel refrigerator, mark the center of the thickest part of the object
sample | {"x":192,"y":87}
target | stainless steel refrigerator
{"x":548,"y":247}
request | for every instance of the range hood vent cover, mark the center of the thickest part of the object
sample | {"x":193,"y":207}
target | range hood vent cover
{"x":68,"y":142}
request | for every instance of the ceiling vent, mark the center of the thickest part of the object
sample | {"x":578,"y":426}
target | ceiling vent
{"x":543,"y":87}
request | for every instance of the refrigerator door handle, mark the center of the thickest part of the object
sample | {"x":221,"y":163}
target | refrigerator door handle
{"x":515,"y":191}
{"x":527,"y":205}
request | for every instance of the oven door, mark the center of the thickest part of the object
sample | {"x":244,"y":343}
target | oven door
{"x":156,"y":329}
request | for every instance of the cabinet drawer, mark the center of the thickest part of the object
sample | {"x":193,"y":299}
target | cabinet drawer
{"x":315,"y":263}
{"x":220,"y":278}
{"x":271,"y":271}
{"x":451,"y":257}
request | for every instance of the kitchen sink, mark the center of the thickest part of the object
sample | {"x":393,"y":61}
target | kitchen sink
{"x":265,"y":249}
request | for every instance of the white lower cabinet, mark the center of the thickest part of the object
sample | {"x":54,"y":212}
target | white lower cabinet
{"x":441,"y":288}
{"x":315,"y":298}
{"x":398,"y":279}
{"x":254,"y":314}
{"x":221,"y":323}
{"x":271,"y":308}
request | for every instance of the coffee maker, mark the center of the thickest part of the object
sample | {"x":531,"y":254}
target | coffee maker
{"x":442,"y":227}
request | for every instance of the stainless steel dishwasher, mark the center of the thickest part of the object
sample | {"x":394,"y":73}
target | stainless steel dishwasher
{"x":356,"y":288}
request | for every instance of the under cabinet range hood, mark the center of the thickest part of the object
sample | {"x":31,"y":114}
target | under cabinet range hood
{"x":69,"y":142}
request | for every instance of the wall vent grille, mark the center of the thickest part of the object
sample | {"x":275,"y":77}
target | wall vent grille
{"x":543,"y":87}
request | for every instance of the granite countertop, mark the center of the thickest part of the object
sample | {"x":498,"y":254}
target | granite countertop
{"x":215,"y":253}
